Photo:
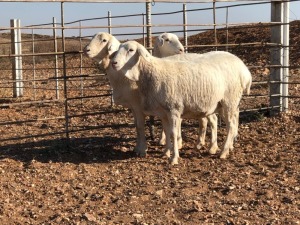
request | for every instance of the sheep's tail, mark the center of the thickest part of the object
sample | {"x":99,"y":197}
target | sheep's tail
{"x":248,"y":85}
{"x":246,"y":80}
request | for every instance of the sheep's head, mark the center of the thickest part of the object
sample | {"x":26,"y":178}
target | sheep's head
{"x":168,"y":44}
{"x":101,"y":46}
{"x":128,"y":57}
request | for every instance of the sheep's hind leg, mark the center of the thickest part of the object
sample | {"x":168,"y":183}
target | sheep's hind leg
{"x":162,"y":140}
{"x":213,"y":122}
{"x":231,"y":132}
{"x":167,"y":138}
{"x":202,"y":132}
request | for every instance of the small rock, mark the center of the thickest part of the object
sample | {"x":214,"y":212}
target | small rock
{"x":159,"y":193}
{"x":138,"y":215}
{"x":90,"y":217}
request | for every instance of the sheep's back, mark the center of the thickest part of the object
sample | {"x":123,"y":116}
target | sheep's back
{"x":183,"y":86}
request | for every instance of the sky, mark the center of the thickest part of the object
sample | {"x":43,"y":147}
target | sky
{"x":41,"y":13}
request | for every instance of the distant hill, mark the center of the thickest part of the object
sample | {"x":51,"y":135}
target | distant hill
{"x":249,"y":34}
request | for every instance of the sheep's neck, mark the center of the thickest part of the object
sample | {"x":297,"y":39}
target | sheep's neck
{"x":106,"y":62}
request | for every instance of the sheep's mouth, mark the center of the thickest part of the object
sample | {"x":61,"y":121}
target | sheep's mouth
{"x":114,"y":66}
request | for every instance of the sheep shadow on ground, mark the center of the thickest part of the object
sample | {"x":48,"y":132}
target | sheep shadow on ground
{"x":78,"y":150}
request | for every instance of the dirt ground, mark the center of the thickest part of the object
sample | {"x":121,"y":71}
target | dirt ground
{"x":96,"y":179}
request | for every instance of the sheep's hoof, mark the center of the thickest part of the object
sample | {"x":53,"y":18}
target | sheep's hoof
{"x":213,"y":149}
{"x":180,"y":143}
{"x":140,"y":153}
{"x":200,"y":144}
{"x":162,"y":142}
{"x":224,"y":155}
{"x":167,"y":154}
{"x":174,"y":161}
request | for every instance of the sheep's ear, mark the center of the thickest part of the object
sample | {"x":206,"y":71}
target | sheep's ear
{"x":144,"y":53}
{"x":113,"y":45}
{"x":112,"y":48}
{"x":160,"y":41}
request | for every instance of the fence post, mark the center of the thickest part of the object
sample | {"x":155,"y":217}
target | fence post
{"x":276,"y":59}
{"x":286,"y":43}
{"x":215,"y":24}
{"x":227,"y":31}
{"x":56,"y":58}
{"x":65,"y":73}
{"x":33,"y":65}
{"x":185,"y":28}
{"x":16,"y":48}
{"x":109,"y":22}
{"x":110,"y":32}
{"x":148,"y":23}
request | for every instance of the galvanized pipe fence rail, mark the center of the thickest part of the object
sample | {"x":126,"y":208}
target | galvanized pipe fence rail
{"x":72,"y":80}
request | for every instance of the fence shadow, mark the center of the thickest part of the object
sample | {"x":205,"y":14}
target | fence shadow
{"x":78,"y":150}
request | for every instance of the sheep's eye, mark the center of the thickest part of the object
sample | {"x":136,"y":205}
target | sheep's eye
{"x":104,"y":40}
{"x":168,"y":39}
{"x":131,"y":50}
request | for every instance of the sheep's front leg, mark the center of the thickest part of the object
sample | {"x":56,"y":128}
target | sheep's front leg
{"x":174,"y":127}
{"x":139,"y":120}
{"x":213,"y":122}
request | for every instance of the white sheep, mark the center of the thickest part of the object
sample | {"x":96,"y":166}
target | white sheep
{"x":246,"y":78}
{"x":167,"y":44}
{"x":174,"y":89}
{"x":125,"y":92}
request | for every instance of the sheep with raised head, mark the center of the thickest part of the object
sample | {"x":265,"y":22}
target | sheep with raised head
{"x":125,"y":92}
{"x":180,"y":89}
{"x":167,"y":44}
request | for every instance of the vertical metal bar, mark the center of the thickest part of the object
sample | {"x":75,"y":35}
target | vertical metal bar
{"x":144,"y":39}
{"x":109,"y":22}
{"x":17,"y":61}
{"x":110,"y":32}
{"x":286,"y":43}
{"x":148,"y":23}
{"x":215,"y":23}
{"x":33,"y":65}
{"x":276,"y":59}
{"x":80,"y":70}
{"x":227,"y":32}
{"x":185,"y":28}
{"x":64,"y":73}
{"x":55,"y":58}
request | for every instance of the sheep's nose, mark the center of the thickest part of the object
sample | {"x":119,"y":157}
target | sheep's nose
{"x":86,"y":49}
{"x":114,"y":64}
{"x":181,"y":50}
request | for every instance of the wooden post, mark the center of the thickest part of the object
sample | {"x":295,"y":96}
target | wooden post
{"x":16,"y":49}
{"x":276,"y":59}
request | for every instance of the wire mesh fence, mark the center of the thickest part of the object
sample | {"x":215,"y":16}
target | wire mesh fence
{"x":65,"y":95}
